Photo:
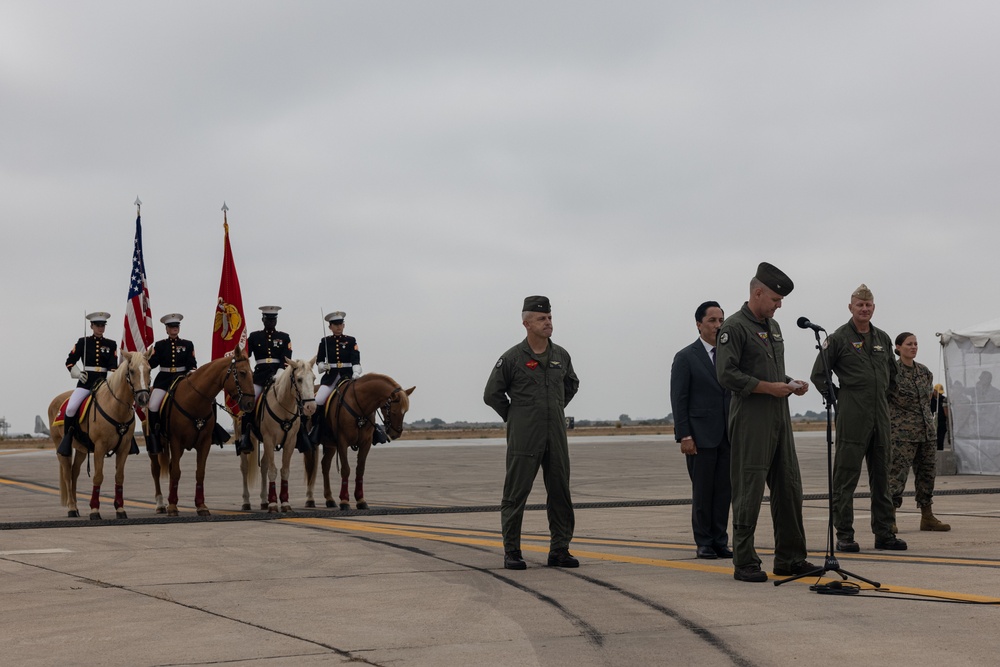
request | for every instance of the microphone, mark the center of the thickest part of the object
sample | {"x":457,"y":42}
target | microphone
{"x":804,"y":323}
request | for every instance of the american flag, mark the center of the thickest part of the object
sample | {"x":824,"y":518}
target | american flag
{"x":138,"y":318}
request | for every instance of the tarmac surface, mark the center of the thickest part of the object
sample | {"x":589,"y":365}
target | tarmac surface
{"x":419,"y":579}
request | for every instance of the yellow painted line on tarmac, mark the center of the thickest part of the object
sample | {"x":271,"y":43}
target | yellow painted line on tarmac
{"x":476,"y":538}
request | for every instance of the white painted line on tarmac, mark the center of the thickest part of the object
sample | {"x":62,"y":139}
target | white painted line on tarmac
{"x":35,"y":551}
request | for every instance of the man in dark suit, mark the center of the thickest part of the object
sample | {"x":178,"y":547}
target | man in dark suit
{"x":701,"y":411}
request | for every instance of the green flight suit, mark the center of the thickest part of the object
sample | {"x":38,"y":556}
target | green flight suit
{"x":748,"y":352}
{"x":529,"y":392}
{"x":866,"y":370}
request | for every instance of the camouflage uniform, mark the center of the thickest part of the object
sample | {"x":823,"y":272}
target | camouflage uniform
{"x":912,"y":424}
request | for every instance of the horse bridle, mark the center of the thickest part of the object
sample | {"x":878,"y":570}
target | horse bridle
{"x":286,"y":425}
{"x":386,"y":411}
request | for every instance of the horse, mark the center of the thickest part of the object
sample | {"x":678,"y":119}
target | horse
{"x":188,"y":419}
{"x":349,"y":422}
{"x":282,"y":406}
{"x":112,"y":401}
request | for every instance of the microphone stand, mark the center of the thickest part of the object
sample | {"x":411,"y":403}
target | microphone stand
{"x":830,"y":563}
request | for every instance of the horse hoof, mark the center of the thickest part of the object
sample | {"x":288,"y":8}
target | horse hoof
{"x":330,"y":503}
{"x":161,"y":510}
{"x":204,"y":512}
{"x":173,"y":512}
{"x":286,"y":508}
{"x":73,"y":514}
{"x":345,"y":506}
{"x":264,"y":506}
{"x":272,"y":509}
{"x":120,"y":514}
{"x":362,"y":505}
{"x":311,"y":503}
{"x":246,"y":507}
{"x":95,"y":516}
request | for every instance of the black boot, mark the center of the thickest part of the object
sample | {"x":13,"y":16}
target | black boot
{"x":153,"y":445}
{"x":379,"y":436}
{"x":243,"y":445}
{"x":70,"y":424}
{"x":302,"y":441}
{"x":314,"y":425}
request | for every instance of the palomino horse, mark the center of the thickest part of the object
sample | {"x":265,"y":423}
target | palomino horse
{"x":109,"y":423}
{"x":278,"y":418}
{"x":348,"y":423}
{"x":188,"y":417}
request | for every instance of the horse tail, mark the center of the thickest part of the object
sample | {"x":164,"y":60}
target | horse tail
{"x":253,"y":467}
{"x":65,"y":463}
{"x":309,"y":458}
{"x":164,"y":460}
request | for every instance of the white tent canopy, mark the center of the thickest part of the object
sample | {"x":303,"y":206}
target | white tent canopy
{"x":971,"y":361}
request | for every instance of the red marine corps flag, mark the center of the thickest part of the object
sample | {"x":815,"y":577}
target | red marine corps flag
{"x":230,"y":326}
{"x":138,"y":333}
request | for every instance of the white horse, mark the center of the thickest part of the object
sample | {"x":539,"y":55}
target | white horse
{"x":109,"y":423}
{"x":278,"y":417}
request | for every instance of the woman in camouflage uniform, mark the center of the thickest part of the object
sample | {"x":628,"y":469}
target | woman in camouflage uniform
{"x":913,"y":432}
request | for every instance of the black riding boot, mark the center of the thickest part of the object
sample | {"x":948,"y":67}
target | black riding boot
{"x":303,"y":442}
{"x":378,"y":435}
{"x":243,"y":445}
{"x":70,"y":425}
{"x":153,"y":445}
{"x":314,"y":425}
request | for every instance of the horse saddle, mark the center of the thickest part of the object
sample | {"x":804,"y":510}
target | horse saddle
{"x":82,"y":414}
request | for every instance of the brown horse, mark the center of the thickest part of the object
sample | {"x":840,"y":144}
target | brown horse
{"x":349,"y":422}
{"x":109,"y":423}
{"x":188,"y":417}
{"x":279,"y":417}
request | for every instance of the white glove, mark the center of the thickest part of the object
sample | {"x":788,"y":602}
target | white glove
{"x":323,"y":367}
{"x":357,"y":370}
{"x":77,"y":374}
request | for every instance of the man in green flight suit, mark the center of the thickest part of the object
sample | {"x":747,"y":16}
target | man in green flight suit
{"x":529,"y":387}
{"x":750,"y":362}
{"x":861,"y":355}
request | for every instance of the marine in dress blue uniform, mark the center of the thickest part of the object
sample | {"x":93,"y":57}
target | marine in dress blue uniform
{"x":99,"y":356}
{"x":271,"y":349}
{"x":174,"y":356}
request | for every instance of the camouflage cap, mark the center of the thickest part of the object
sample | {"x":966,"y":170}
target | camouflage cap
{"x":537,"y":304}
{"x":774,"y":278}
{"x":863,"y":293}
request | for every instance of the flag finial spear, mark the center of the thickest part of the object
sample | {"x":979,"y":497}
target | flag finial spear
{"x":138,"y":202}
{"x":224,"y":207}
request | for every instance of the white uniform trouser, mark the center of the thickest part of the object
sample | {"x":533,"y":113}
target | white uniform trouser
{"x":156,"y":399}
{"x":75,"y":400}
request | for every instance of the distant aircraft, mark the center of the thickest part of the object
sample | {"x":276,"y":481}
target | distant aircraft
{"x":40,"y":426}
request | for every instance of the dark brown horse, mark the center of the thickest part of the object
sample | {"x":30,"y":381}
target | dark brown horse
{"x":188,"y":418}
{"x":110,"y":424}
{"x":348,"y":423}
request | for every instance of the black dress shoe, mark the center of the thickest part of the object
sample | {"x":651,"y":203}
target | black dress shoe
{"x":562,"y":558}
{"x":750,"y":573}
{"x":707,"y":553}
{"x":891,"y":543}
{"x":801,"y":567}
{"x":849,"y":546}
{"x":723,"y":552}
{"x":512,"y":560}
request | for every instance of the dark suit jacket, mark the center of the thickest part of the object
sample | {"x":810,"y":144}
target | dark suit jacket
{"x":700,"y":404}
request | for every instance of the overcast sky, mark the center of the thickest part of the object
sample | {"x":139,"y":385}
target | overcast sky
{"x":424,"y":166}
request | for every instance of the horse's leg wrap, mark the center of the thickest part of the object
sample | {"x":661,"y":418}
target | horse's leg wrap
{"x":119,"y":496}
{"x":95,"y":498}
{"x":272,"y":495}
{"x":283,"y":497}
{"x":199,"y":495}
{"x":172,"y":495}
{"x":344,"y":493}
{"x":359,"y":489}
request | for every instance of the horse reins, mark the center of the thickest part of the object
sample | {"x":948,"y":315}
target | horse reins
{"x":286,"y":425}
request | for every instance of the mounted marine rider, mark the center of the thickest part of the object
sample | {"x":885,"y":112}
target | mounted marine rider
{"x":271,"y":350}
{"x":99,"y":357}
{"x":338,"y":359}
{"x":175,"y":357}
